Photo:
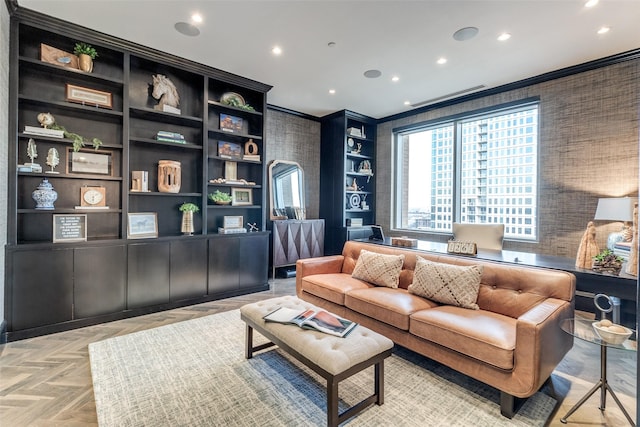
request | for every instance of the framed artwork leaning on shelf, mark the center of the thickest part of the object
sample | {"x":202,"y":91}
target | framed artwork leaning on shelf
{"x":86,"y":96}
{"x":142,"y":225}
{"x":89,"y":161}
{"x":241,"y":197}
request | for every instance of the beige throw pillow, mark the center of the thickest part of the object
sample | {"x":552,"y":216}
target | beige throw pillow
{"x":379,"y":269}
{"x":446,"y":283}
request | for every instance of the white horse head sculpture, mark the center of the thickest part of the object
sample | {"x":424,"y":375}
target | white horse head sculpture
{"x":165,"y":92}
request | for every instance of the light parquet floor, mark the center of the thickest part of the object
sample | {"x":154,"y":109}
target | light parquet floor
{"x":46,"y":381}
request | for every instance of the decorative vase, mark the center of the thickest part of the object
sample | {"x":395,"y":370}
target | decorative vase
{"x":169,"y":176}
{"x":85,"y":63}
{"x":187,"y":223}
{"x":44,"y":195}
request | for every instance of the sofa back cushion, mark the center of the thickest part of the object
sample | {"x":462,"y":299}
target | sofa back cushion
{"x":506,"y":289}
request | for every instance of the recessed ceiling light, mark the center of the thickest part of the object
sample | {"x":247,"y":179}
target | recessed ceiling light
{"x":442,"y":60}
{"x":196,"y":17}
{"x":504,"y":37}
{"x":591,"y":3}
{"x":604,"y":30}
{"x":187,"y":29}
{"x":372,"y":74}
{"x":332,"y":91}
{"x":407,"y":103}
{"x":277,"y":50}
{"x":466,"y":33}
{"x":395,"y":78}
{"x":331,"y":44}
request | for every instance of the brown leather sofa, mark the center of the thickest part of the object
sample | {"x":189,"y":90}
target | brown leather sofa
{"x":513,"y":342}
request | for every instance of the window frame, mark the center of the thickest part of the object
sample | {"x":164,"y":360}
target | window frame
{"x":457,"y":120}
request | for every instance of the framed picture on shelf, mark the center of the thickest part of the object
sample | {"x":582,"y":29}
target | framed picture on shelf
{"x":89,"y":161}
{"x":230,"y":123}
{"x":86,"y":96}
{"x":241,"y":197}
{"x":233,"y":221}
{"x":229,"y":150}
{"x":142,"y":225}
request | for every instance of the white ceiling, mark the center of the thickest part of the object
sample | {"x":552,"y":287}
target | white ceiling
{"x":403,"y":38}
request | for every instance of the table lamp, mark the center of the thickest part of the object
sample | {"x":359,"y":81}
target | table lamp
{"x":617,"y":209}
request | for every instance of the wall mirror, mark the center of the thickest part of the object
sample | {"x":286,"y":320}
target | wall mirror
{"x":286,"y":190}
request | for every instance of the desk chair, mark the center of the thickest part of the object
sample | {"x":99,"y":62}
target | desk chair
{"x":485,"y":236}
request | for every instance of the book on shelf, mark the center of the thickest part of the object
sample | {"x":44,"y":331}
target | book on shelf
{"x":177,"y":141}
{"x":252,"y":157}
{"x":35,"y":130}
{"x":234,"y":230}
{"x":94,"y":208}
{"x":318,"y":320}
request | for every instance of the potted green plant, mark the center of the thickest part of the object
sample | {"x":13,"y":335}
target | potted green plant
{"x":607,"y":262}
{"x":220,"y":198}
{"x":188,"y":210}
{"x":86,"y":54}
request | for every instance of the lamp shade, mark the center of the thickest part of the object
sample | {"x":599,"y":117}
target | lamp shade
{"x":615,"y":209}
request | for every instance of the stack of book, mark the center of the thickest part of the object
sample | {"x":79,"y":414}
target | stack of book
{"x":35,"y":130}
{"x":234,"y":230}
{"x":622,"y":249}
{"x":166,"y":136}
{"x":252,"y":157}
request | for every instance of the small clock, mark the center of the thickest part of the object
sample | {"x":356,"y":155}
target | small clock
{"x":350,"y":142}
{"x":93,"y":196}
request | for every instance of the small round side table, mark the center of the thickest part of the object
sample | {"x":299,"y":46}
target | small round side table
{"x":582,"y":329}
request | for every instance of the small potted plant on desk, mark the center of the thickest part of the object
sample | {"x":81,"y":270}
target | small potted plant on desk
{"x":220,"y":198}
{"x":607,"y":262}
{"x":187,"y":210}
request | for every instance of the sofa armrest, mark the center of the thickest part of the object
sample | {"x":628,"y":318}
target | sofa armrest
{"x":540,"y":342}
{"x":319,"y":265}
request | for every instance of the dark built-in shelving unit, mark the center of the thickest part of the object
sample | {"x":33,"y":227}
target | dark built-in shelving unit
{"x":56,"y":286}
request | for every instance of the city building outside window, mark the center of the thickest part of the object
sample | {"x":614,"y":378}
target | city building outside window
{"x":477,"y":168}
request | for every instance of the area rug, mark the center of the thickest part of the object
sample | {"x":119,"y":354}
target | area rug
{"x":194,"y":373}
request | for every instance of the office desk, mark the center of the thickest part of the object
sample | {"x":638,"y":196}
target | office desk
{"x":588,"y":282}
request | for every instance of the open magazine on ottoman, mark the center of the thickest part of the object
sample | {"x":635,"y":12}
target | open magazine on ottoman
{"x":318,"y":320}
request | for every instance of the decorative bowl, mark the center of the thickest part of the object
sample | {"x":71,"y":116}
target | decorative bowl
{"x":611,"y":337}
{"x":219,"y":202}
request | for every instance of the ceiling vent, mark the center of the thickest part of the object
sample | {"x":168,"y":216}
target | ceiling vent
{"x":447,"y":96}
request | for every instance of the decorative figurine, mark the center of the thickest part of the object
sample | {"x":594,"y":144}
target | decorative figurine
{"x":588,"y":247}
{"x":253,"y":227}
{"x":46,"y":120}
{"x":166,"y":93}
{"x":53,"y":160}
{"x":632,"y":263}
{"x":169,"y":176}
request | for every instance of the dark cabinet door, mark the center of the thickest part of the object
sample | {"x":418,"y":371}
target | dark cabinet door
{"x":188,"y":269}
{"x":148,"y":274}
{"x":42,"y":290}
{"x":224,"y":264}
{"x":254,"y":261}
{"x":100,"y":277}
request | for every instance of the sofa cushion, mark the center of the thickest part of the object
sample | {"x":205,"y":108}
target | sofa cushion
{"x":391,"y":306}
{"x":483,"y":335}
{"x":448,"y":284}
{"x":332,"y":286}
{"x":379,"y":269}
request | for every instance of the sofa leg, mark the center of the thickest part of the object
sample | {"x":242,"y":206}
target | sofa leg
{"x":509,"y":404}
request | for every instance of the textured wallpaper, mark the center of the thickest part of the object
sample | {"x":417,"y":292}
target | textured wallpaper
{"x":296,"y":139}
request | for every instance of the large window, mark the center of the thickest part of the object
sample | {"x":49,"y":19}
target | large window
{"x":476,"y":168}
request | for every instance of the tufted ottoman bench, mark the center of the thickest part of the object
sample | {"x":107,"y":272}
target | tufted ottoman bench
{"x":331,"y":357}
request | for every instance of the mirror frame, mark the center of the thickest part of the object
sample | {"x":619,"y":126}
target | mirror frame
{"x":273,"y":164}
